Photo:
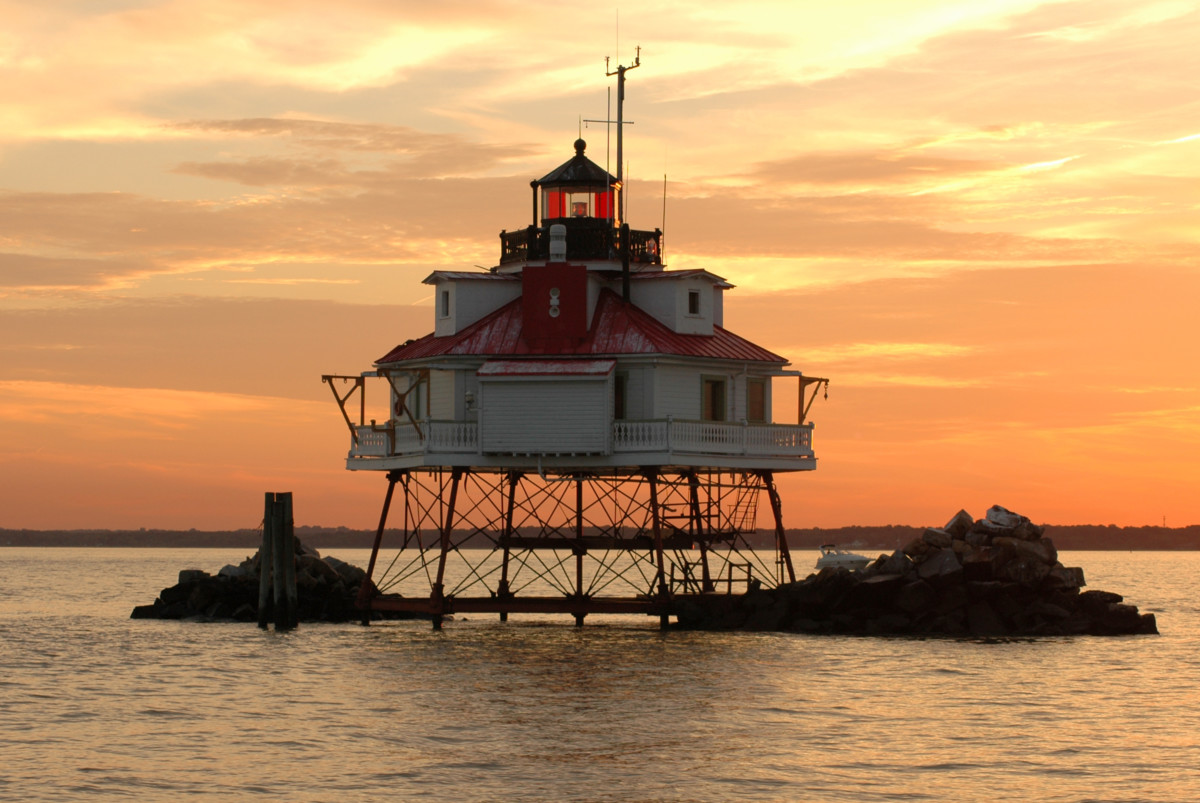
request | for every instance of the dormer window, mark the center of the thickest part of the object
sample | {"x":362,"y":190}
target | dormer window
{"x":693,"y":302}
{"x":444,"y":303}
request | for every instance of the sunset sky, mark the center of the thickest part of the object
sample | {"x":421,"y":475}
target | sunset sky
{"x":980,"y":220}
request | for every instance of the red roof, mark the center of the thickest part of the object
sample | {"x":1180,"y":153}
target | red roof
{"x":618,"y":328}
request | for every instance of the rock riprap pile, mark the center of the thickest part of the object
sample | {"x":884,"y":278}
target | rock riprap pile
{"x":996,"y":577}
{"x":326,"y":590}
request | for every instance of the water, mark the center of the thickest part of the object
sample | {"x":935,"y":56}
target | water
{"x":96,"y":706}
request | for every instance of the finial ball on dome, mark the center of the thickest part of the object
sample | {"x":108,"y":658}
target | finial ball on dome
{"x":580,"y":145}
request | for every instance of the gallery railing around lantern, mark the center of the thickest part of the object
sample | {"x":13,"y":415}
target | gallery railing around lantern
{"x":583,"y":242}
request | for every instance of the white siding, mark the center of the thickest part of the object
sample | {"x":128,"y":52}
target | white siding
{"x":656,"y":298}
{"x":469,"y":300}
{"x":637,"y":396}
{"x":699,"y":323}
{"x":676,"y":392}
{"x":442,"y":396}
{"x":667,"y":301}
{"x":562,"y":416}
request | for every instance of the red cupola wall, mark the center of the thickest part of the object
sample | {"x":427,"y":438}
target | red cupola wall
{"x":554,"y":302}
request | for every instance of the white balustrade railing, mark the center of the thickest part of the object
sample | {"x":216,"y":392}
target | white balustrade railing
{"x":452,"y":436}
{"x":372,"y":442}
{"x":408,"y":439}
{"x":694,"y":437}
{"x":641,"y":436}
{"x":708,"y":436}
{"x":779,"y":439}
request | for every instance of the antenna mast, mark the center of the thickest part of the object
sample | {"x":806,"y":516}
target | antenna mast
{"x":620,"y":73}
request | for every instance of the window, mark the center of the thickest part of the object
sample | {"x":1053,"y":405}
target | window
{"x":693,"y":302}
{"x":712,"y":400}
{"x":620,"y":384}
{"x":444,"y":304}
{"x":756,"y":400}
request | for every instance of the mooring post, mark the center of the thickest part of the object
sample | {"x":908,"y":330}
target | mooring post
{"x":280,"y":594}
{"x":265,"y":564}
{"x":289,"y":559}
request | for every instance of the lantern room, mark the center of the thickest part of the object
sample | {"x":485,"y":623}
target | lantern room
{"x":586,"y":199}
{"x":578,"y":189}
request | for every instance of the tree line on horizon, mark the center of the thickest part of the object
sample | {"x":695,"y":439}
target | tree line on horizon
{"x":857,"y":537}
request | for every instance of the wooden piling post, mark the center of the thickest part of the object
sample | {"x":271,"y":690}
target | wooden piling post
{"x":284,"y":500}
{"x":280,"y":596}
{"x":265,"y":564}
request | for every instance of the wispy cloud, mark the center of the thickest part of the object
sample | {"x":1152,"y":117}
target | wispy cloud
{"x":153,"y":408}
{"x":883,"y":351}
{"x":1049,"y":165}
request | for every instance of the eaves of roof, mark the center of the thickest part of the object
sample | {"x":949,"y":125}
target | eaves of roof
{"x":460,"y":275}
{"x":618,"y":328}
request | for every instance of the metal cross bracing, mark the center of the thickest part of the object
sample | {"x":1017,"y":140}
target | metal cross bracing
{"x":634,"y":541}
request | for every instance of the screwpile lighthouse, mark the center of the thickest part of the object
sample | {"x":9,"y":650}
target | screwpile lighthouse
{"x":581,"y":411}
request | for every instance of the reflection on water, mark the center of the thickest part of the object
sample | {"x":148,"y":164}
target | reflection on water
{"x":95,"y":704}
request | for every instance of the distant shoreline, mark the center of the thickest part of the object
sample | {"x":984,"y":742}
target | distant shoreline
{"x":884,"y":538}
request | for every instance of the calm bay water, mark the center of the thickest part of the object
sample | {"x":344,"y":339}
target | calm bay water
{"x":96,"y":706}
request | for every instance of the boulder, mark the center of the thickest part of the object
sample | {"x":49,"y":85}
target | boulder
{"x":1002,"y":518}
{"x":977,"y":565}
{"x":351,"y":575}
{"x":1026,"y":571}
{"x":937,"y":538}
{"x":982,"y":620}
{"x":876,"y":591}
{"x":960,"y":525}
{"x":1041,"y":550}
{"x":977,"y":538}
{"x":897,"y":563}
{"x":941,"y":569}
{"x":915,"y":597}
{"x":1065,"y":578}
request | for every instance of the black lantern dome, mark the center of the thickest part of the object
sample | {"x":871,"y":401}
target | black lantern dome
{"x":578,"y":188}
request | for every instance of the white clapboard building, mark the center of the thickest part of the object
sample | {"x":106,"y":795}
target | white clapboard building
{"x":580,"y":370}
{"x":561,"y":358}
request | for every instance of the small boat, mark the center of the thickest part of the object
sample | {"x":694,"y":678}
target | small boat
{"x":837,"y":557}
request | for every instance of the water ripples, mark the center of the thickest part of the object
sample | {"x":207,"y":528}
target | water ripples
{"x":93,"y":704}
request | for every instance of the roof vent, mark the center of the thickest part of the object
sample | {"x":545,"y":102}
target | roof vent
{"x":558,"y":243}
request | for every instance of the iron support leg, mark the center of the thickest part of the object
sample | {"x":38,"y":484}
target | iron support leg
{"x":579,"y":549}
{"x":700,"y":532}
{"x":655,"y":518}
{"x":781,"y":544}
{"x":437,"y":597}
{"x":364,"y":590}
{"x":502,"y":591}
